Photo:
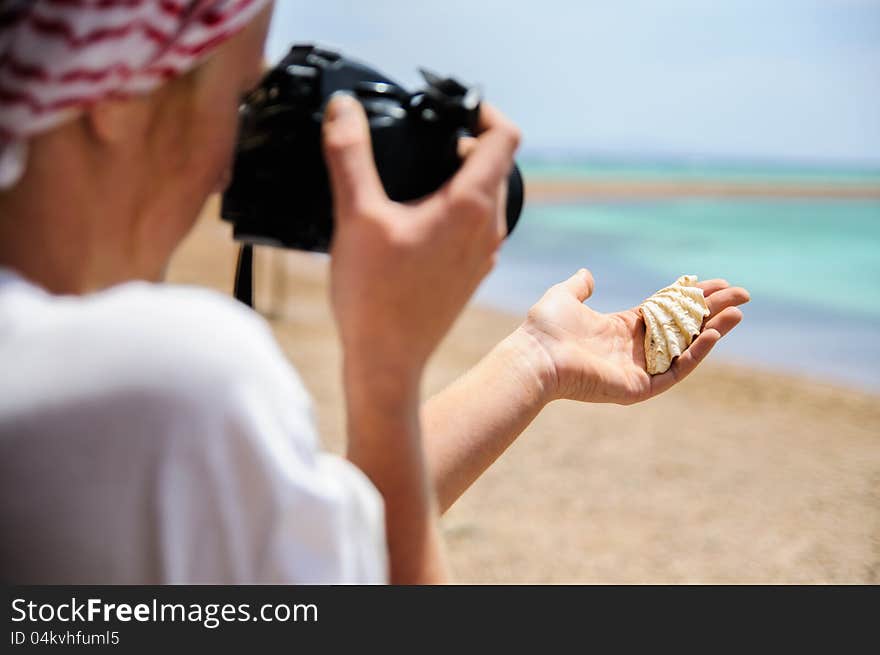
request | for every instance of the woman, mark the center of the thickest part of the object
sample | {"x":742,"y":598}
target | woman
{"x":157,"y":434}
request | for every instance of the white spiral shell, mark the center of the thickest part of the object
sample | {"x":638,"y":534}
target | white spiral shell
{"x":673,"y":318}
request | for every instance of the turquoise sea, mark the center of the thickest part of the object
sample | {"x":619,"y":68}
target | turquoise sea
{"x":811,"y":265}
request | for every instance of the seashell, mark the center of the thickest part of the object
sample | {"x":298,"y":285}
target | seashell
{"x":673,"y":318}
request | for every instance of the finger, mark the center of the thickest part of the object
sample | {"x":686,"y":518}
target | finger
{"x":729,"y":297}
{"x":579,"y":285}
{"x":711,"y":286}
{"x":466,"y":145}
{"x":348,"y":152}
{"x":501,"y":222}
{"x":491,"y":160}
{"x":725,"y":321}
{"x":686,"y":362}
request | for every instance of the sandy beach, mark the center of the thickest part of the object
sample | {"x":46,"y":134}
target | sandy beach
{"x":735,"y":476}
{"x":561,"y":190}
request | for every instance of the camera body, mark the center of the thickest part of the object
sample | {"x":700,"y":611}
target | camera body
{"x":280,"y":191}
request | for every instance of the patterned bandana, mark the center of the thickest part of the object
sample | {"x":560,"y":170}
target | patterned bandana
{"x":57,"y":56}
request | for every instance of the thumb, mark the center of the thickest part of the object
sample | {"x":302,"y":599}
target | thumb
{"x":348,"y":152}
{"x":580,"y":284}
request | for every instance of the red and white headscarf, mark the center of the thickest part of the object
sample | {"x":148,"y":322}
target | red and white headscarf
{"x":57,"y":56}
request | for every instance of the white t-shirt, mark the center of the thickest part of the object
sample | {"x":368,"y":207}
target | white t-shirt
{"x":157,"y":434}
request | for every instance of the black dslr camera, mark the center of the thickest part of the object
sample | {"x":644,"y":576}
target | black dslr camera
{"x":280,"y":191}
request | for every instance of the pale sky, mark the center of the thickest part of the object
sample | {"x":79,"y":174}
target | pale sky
{"x":746,"y":79}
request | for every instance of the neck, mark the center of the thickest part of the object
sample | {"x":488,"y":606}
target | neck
{"x":69,"y":224}
{"x":68,"y":233}
{"x":55,"y":254}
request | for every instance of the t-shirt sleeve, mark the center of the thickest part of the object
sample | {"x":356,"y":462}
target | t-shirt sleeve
{"x":245,"y":510}
{"x":244,"y":492}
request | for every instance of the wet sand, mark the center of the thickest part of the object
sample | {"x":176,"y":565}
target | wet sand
{"x":574,"y":190}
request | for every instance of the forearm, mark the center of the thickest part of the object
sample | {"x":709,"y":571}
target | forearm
{"x":471,"y":423}
{"x":385,"y":443}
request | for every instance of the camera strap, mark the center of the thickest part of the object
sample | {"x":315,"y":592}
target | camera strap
{"x":244,"y":275}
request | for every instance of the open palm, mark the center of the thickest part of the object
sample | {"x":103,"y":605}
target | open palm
{"x":601,"y":357}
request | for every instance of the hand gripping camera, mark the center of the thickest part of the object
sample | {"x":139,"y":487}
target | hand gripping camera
{"x":280,"y":191}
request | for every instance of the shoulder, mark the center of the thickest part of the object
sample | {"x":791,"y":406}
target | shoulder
{"x":173,"y":349}
{"x":183,"y":335}
{"x":189,"y":329}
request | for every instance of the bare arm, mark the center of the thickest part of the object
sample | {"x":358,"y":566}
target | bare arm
{"x":564,"y":349}
{"x":384,"y":257}
{"x":473,"y":421}
{"x":385,"y":442}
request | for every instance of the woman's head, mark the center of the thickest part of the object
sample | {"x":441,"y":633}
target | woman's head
{"x":108,"y":192}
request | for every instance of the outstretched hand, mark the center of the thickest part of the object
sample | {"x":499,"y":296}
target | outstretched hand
{"x":599,"y":357}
